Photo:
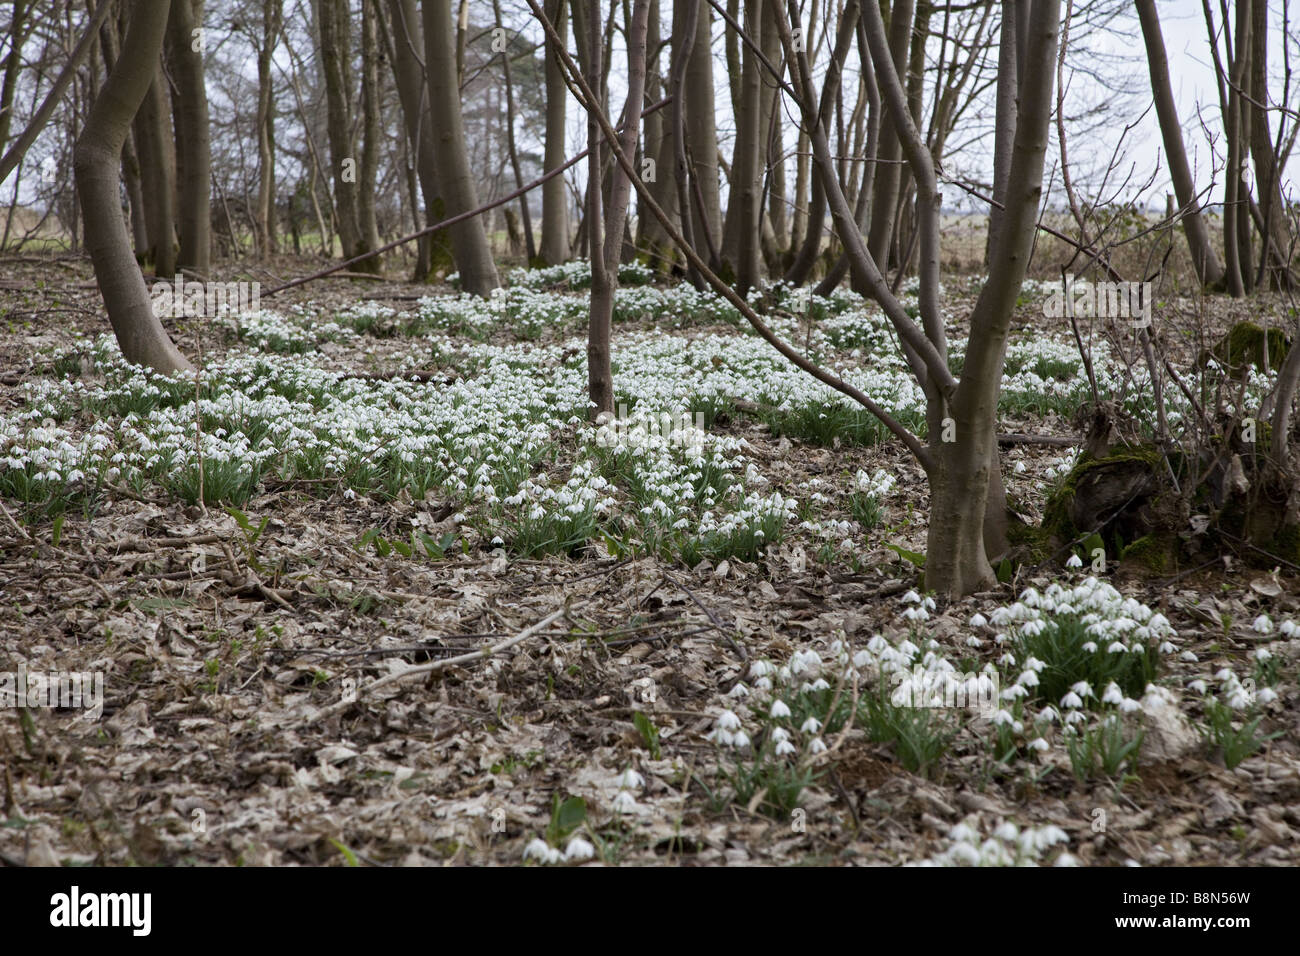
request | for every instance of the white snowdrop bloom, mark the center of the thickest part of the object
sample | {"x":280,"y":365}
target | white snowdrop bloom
{"x":1038,"y":744}
{"x":1014,"y":692}
{"x":1167,"y":648}
{"x":740,"y":741}
{"x":911,"y":597}
{"x":1112,"y":694}
{"x":779,"y":734}
{"x":1128,"y":705}
{"x":916,"y":614}
{"x":1019,"y":468}
{"x":579,"y":849}
{"x":1262,"y":654}
{"x":816,"y":746}
{"x":631,"y":780}
{"x":779,"y":709}
{"x":1007,"y":660}
{"x":862,"y":658}
{"x":1003,"y":717}
{"x":784,"y":748}
{"x":819,"y":684}
{"x":1075,"y":717}
{"x":973,"y":641}
{"x":1224,"y":675}
{"x":811,"y":726}
{"x":1007,"y":831}
{"x":727,"y":720}
{"x":763,"y":684}
{"x":1034,"y":664}
{"x":1188,"y":657}
{"x":539,"y":849}
{"x":762,"y":668}
{"x":624,"y":802}
{"x":928,"y":603}
{"x":1117,"y":647}
{"x":1238,"y":699}
{"x":1266,"y":695}
{"x":1089,"y":646}
{"x":1066,"y":859}
{"x":1074,"y":561}
{"x":1198,"y":685}
{"x":740,"y":691}
{"x":877,"y":645}
{"x":1049,"y":714}
{"x":1262,"y":625}
{"x":978,"y":620}
{"x":1289,"y":628}
{"x":1072,"y":700}
{"x":963,"y":833}
{"x":723,"y":738}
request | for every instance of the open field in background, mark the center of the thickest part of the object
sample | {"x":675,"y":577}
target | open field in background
{"x":729,"y":612}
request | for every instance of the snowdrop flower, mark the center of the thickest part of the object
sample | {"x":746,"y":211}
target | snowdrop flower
{"x":1167,"y":648}
{"x":779,"y":709}
{"x":631,"y":780}
{"x":816,"y":746}
{"x":741,"y":740}
{"x":762,"y":668}
{"x":784,"y":748}
{"x":1112,"y":695}
{"x":911,"y":597}
{"x":579,"y":849}
{"x":539,"y":849}
{"x":727,"y":720}
{"x":1266,"y":695}
{"x":978,"y":620}
{"x":739,"y":691}
{"x":1074,"y":561}
{"x":1082,"y":689}
{"x":811,"y":726}
{"x":1072,"y":700}
{"x":1289,"y":629}
{"x":1188,"y":657}
{"x":963,"y":833}
{"x":1262,"y":654}
{"x":1038,"y":744}
{"x":1262,"y":625}
{"x":624,"y":802}
{"x":1007,"y":831}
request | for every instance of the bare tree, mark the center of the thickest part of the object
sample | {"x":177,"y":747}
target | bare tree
{"x":185,"y":45}
{"x":478,"y":273}
{"x":1204,"y":259}
{"x":95,"y":164}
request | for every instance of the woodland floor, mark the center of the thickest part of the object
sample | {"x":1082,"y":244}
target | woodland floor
{"x":225,"y":740}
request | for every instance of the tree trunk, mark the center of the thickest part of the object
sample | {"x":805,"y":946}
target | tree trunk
{"x":1004,"y":122}
{"x":702,"y":137}
{"x":96,"y":160}
{"x":555,"y":195}
{"x":157,"y":168}
{"x":958,"y":549}
{"x":336,"y":69}
{"x":478,"y":273}
{"x":408,"y":42}
{"x":193,"y":139}
{"x":371,"y":136}
{"x":605,"y":226}
{"x":1275,"y":235}
{"x":530,"y":249}
{"x":1209,"y":270}
{"x":264,"y":217}
{"x":884,"y":200}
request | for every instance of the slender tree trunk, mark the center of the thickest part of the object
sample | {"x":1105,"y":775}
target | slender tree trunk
{"x":610,"y":220}
{"x":371,"y":136}
{"x":332,"y":17}
{"x":408,"y":44}
{"x":1209,"y":270}
{"x":702,"y":139}
{"x":530,"y":248}
{"x":884,"y":201}
{"x":478,"y":273}
{"x":555,"y":197}
{"x":272,"y":22}
{"x":744,"y":206}
{"x":185,"y":45}
{"x":1234,"y":202}
{"x":964,"y":469}
{"x":157,"y":168}
{"x":96,"y":161}
{"x":1004,"y":123}
{"x":1276,"y":240}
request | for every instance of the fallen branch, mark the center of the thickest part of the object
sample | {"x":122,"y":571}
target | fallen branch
{"x":436,"y":666}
